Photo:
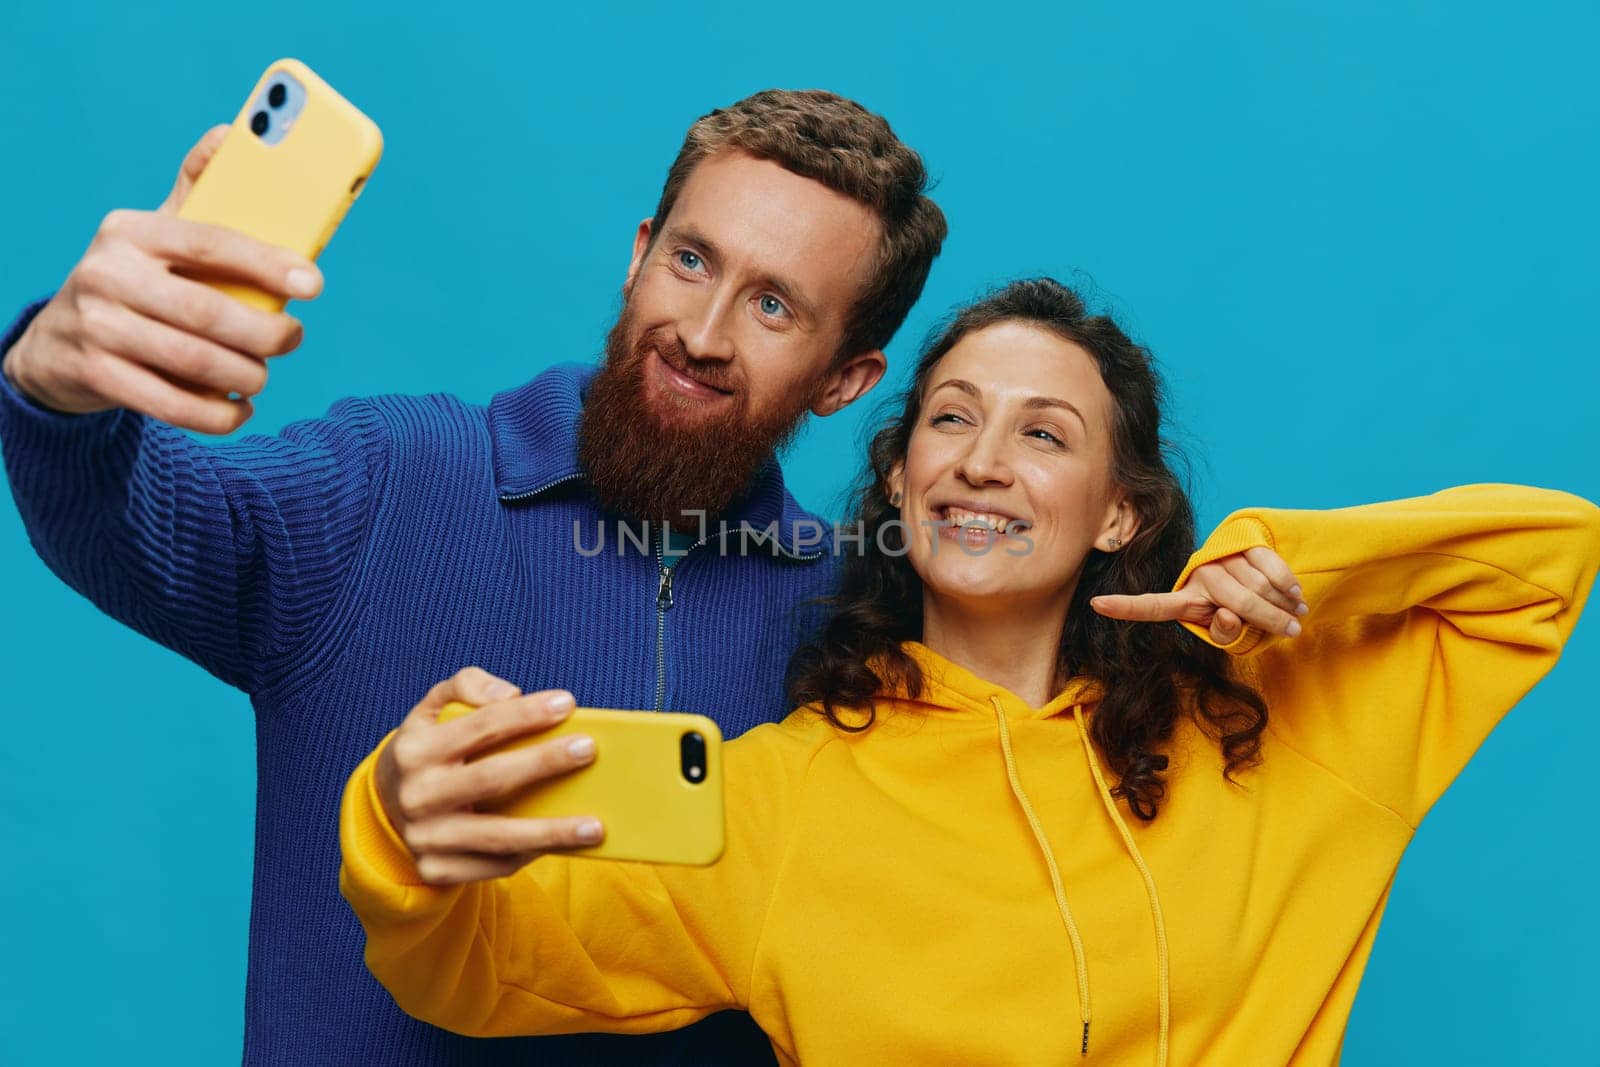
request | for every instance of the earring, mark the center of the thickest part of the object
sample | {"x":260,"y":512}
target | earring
{"x":895,"y":500}
{"x":1116,"y":543}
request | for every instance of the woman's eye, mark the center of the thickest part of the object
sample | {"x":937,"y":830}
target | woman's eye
{"x":772,"y":306}
{"x":945,"y":417}
{"x":689,"y":260}
{"x":1046,"y":435}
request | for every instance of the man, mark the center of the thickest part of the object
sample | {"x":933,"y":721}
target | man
{"x":335,"y":571}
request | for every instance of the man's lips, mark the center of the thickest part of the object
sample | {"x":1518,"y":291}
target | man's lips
{"x":683,"y":383}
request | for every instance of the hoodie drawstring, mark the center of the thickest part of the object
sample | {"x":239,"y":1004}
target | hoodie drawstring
{"x":1055,"y":872}
{"x":1164,"y":994}
{"x":1162,"y":965}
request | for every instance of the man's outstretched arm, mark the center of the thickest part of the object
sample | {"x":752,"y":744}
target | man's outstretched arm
{"x":230,"y":555}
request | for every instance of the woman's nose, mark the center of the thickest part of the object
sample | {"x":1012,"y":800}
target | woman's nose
{"x":984,"y":462}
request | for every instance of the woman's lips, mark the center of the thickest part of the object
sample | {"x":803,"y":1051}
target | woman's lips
{"x":975,"y":528}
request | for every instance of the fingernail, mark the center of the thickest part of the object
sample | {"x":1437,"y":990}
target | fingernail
{"x":303,"y":283}
{"x":1294,"y":590}
{"x":590,"y":830}
{"x":1294,"y":629}
{"x":580,"y":747}
{"x":561,"y":702}
{"x":1302,"y":608}
{"x":503,"y":691}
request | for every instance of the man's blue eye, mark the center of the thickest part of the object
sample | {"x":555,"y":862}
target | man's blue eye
{"x":771,"y":305}
{"x":689,"y":260}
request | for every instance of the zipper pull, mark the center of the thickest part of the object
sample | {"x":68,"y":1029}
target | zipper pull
{"x":664,"y":592}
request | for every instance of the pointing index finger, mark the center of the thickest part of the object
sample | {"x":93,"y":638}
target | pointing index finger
{"x":1145,"y":607}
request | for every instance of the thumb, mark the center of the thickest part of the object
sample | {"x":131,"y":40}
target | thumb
{"x":1226,"y":627}
{"x":193,"y":164}
{"x":471,"y":686}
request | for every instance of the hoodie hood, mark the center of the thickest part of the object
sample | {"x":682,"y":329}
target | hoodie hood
{"x":950,"y":688}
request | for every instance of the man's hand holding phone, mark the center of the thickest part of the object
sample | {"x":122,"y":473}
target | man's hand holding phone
{"x":428,"y":779}
{"x":129,"y":329}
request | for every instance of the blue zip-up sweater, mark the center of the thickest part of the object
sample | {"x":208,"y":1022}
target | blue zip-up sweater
{"x":338,"y":570}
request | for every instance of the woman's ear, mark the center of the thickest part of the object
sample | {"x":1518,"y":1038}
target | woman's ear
{"x":894,"y":485}
{"x":1122,"y":523}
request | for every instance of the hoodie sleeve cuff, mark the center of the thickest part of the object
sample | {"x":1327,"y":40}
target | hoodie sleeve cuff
{"x":1236,"y":534}
{"x":379,"y":873}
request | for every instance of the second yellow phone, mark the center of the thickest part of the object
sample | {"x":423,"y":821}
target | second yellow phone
{"x":293,"y":162}
{"x":656,"y":784}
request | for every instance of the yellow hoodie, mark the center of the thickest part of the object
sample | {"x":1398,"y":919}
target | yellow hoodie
{"x":956,"y":886}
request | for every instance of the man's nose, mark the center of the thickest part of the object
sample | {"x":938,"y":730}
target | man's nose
{"x":705,"y":330}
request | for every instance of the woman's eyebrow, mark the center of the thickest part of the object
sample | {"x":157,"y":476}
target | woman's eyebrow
{"x":1032,"y":403}
{"x":1054,"y":402}
{"x":961,"y":384}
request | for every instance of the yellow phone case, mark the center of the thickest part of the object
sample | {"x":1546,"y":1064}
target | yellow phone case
{"x":295,"y":192}
{"x":635,"y":786}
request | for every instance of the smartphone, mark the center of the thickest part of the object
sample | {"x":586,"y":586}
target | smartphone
{"x":656,"y":784}
{"x":295,"y":159}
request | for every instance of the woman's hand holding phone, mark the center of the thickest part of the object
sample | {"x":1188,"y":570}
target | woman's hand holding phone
{"x":128,"y":329}
{"x":428,"y":779}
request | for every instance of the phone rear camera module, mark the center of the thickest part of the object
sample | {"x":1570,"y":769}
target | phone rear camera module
{"x":277,"y":106}
{"x":692,"y":757}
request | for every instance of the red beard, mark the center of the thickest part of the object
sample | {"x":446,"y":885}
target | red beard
{"x":660,"y":458}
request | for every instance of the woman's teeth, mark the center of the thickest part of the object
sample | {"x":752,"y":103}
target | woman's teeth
{"x":960,"y":517}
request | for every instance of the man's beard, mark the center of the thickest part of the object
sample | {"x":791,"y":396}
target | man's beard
{"x":645,"y":464}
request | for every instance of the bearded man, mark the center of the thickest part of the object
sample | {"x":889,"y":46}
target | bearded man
{"x":334,"y":571}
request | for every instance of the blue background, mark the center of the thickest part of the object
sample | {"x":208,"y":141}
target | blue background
{"x":1361,"y":240}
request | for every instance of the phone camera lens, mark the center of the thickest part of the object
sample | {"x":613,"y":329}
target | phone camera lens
{"x":692,"y":757}
{"x":259,"y":122}
{"x":277,"y":95}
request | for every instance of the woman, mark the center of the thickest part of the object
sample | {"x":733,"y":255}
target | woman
{"x":1019,"y":816}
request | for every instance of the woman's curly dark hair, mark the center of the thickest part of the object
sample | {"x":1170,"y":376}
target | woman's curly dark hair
{"x":1150,"y":673}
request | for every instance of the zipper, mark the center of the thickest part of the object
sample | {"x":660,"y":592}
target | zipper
{"x":721,"y":535}
{"x":513,"y":498}
{"x":663,"y":605}
{"x":664,"y":590}
{"x":664,"y":602}
{"x":664,"y":575}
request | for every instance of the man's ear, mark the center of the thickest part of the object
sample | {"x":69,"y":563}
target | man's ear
{"x":641,"y":245}
{"x":850,"y":381}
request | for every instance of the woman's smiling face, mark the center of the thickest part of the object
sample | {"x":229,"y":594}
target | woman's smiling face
{"x":1007,"y":482}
